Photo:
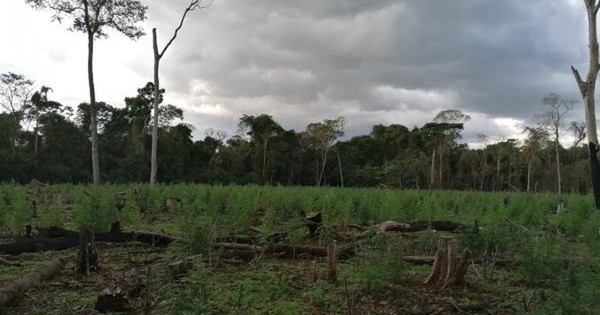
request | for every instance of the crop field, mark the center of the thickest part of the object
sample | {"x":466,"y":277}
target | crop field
{"x":251,"y":250}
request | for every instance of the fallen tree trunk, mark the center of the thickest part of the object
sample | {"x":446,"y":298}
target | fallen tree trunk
{"x":119,"y":295}
{"x":446,"y":226}
{"x":59,"y":239}
{"x":12,"y":290}
{"x":230,"y":250}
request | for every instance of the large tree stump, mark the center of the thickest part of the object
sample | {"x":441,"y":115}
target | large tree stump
{"x":448,"y":269}
{"x":87,"y":258}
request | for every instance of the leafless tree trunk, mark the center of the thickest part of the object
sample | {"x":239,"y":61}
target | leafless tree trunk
{"x":157,"y":57}
{"x":264,"y":166}
{"x":432,"y":175}
{"x":441,"y":168}
{"x":558,"y":176}
{"x":588,"y":89}
{"x":93,"y":108}
{"x":498,"y":181}
{"x":340,"y":168}
{"x":529,"y":165}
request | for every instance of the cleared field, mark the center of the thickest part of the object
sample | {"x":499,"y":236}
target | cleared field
{"x":524,"y":257}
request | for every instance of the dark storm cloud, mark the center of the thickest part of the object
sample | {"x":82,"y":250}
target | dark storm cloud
{"x":377,"y":61}
{"x":372,"y":61}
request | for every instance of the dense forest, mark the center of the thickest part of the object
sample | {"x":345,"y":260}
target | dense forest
{"x":44,"y":140}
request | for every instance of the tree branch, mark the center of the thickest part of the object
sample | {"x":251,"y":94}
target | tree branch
{"x":195,"y":4}
{"x":580,"y":82}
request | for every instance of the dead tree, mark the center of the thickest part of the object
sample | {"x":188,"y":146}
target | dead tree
{"x":587,"y":89}
{"x":448,"y":269}
{"x":552,"y":120}
{"x":195,"y":4}
{"x":87,"y":258}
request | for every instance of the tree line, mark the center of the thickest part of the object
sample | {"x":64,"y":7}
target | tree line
{"x":45,"y":140}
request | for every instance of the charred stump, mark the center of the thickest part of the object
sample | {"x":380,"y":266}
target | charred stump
{"x":313,"y":223}
{"x":448,"y":269}
{"x":87,"y":257}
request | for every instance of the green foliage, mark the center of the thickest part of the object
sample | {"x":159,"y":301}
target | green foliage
{"x":380,"y":268}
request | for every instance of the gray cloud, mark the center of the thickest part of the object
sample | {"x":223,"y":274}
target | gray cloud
{"x":388,"y":61}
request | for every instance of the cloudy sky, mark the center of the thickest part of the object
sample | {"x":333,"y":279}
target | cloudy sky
{"x":371,"y":61}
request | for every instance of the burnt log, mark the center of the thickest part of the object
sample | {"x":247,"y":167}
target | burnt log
{"x":59,"y":239}
{"x":445,"y":226}
{"x":233,"y":250}
{"x":11,"y":291}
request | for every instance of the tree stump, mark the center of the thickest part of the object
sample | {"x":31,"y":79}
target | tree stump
{"x":448,"y":269}
{"x":87,"y":258}
{"x":313,"y":223}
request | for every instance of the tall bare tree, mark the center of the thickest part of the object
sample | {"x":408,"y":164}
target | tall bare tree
{"x":158,"y":54}
{"x":94,"y":18}
{"x":588,"y":90}
{"x":552,"y":120}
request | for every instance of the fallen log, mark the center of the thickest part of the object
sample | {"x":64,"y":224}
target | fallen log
{"x":55,"y":238}
{"x":119,"y":295}
{"x":14,"y":289}
{"x":231,"y":250}
{"x":446,"y":226}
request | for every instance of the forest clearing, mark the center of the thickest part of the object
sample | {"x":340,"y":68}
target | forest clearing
{"x":267,"y":250}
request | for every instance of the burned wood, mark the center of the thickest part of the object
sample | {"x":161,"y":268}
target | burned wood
{"x":14,"y":289}
{"x":120,"y":293}
{"x":446,"y":226}
{"x":230,"y":250}
{"x":59,"y":239}
{"x":87,"y":257}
